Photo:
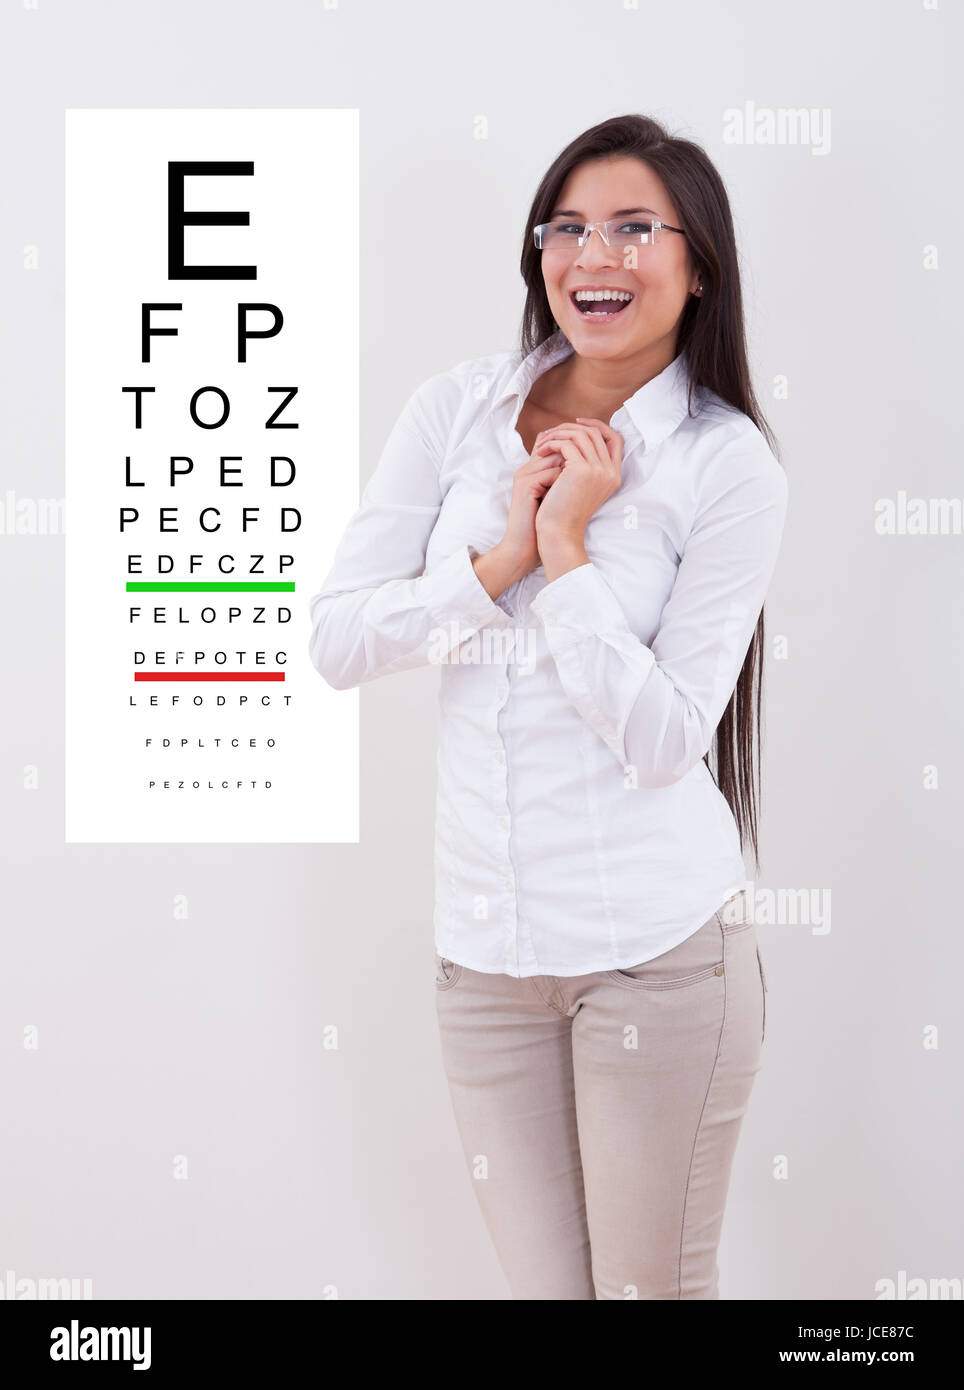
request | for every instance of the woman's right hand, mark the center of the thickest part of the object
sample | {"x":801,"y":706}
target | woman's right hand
{"x":517,"y":553}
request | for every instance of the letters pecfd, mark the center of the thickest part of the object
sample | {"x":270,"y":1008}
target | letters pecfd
{"x":209,"y":518}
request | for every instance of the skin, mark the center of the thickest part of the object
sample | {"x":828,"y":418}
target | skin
{"x":575,"y":462}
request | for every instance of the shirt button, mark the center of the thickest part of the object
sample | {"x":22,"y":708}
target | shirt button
{"x":504,"y":822}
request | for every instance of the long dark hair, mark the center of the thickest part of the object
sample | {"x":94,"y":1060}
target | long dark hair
{"x":713,"y":337}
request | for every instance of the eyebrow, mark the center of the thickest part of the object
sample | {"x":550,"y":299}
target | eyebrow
{"x":620,"y":212}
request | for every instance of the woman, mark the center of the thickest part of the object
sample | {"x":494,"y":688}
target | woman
{"x":582,"y":536}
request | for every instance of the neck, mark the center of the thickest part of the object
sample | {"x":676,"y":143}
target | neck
{"x":600,"y":385}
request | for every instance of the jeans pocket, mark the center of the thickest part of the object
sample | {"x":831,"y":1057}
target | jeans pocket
{"x":639,"y":977}
{"x":698,"y":957}
{"x":447,"y":971}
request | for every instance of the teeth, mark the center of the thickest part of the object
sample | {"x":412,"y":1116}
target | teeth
{"x":603,"y":294}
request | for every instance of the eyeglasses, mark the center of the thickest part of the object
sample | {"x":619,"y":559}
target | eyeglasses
{"x":635,"y":231}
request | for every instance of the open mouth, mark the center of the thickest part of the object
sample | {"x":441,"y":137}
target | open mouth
{"x":602,"y":305}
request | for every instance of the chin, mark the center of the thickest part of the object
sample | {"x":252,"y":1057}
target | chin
{"x":598,"y":340}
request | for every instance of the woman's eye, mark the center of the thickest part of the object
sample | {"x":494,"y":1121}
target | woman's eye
{"x":637,"y":228}
{"x":574,"y":227}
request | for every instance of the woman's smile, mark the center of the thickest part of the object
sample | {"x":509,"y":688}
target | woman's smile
{"x":602,"y":303}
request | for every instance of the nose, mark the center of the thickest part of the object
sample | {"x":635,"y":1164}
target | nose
{"x":595,"y":252}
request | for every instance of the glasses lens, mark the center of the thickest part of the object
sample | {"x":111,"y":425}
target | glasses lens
{"x":633,"y":231}
{"x":550,"y":236}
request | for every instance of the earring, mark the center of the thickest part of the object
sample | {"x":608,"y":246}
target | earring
{"x":699,"y":288}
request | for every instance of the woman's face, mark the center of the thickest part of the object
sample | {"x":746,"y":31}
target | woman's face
{"x":659,"y":276}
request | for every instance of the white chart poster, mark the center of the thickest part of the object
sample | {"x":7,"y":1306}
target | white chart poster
{"x":212,"y":460}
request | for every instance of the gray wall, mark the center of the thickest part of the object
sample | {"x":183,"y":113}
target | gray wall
{"x":312,"y":1168}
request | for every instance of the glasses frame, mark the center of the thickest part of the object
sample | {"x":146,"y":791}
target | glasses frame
{"x":605,"y":230}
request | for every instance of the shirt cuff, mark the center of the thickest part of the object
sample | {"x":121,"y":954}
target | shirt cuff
{"x":600,"y":661}
{"x":579,"y":602}
{"x":453,"y":590}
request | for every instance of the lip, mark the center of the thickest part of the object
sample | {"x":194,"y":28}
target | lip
{"x":596,"y":317}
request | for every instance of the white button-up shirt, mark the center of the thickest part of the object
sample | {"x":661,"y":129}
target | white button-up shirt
{"x":577,"y":826}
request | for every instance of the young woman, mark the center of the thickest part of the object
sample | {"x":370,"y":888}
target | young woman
{"x":582,"y":535}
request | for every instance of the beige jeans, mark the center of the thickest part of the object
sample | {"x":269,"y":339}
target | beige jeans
{"x":599,"y":1114}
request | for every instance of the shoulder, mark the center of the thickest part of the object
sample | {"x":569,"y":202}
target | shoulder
{"x":450,"y":400}
{"x":731,"y":451}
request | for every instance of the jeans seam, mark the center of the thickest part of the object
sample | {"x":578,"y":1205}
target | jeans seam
{"x":699,"y":1122}
{"x":731,"y":926}
{"x":548,"y":1002}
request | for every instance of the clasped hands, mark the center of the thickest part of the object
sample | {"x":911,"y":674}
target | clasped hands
{"x":572,"y":470}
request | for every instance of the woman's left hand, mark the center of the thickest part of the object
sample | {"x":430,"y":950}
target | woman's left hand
{"x":592,"y":470}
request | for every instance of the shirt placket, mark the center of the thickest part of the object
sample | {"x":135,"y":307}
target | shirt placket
{"x":503,"y":676}
{"x":502,"y":854}
{"x":519,"y":957}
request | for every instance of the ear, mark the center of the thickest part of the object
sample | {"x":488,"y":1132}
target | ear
{"x":695,"y":285}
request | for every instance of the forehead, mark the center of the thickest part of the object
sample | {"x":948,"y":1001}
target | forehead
{"x":598,"y":187}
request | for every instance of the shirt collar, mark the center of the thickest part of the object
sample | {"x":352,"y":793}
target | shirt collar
{"x":654,"y":411}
